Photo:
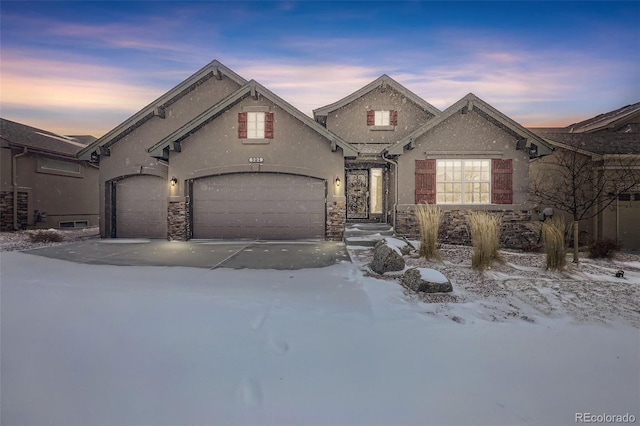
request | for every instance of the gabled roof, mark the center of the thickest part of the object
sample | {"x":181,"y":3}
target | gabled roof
{"x":600,"y":143}
{"x":382,"y":81}
{"x":252,"y":88}
{"x":609,"y":120}
{"x":472,"y":103}
{"x":212,"y":69}
{"x":17,"y":134}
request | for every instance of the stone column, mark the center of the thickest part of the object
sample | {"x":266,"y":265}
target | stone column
{"x":336,"y":220}
{"x":178,"y":221}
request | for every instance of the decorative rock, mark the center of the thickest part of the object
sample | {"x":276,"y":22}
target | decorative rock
{"x":426,"y":281}
{"x":386,"y":259}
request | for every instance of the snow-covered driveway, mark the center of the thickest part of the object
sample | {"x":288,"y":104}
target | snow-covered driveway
{"x":115,"y":345}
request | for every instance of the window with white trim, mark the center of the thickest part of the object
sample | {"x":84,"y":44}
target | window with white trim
{"x":381,"y":118}
{"x":463,"y":181}
{"x":255,"y":125}
{"x":59,"y":167}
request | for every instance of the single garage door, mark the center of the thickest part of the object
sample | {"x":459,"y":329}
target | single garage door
{"x":140,"y":208}
{"x":259,"y":206}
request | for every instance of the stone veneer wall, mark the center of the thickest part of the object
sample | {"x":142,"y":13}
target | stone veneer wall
{"x":336,"y":220}
{"x":6,"y":210}
{"x":178,"y":223}
{"x":455,"y":230}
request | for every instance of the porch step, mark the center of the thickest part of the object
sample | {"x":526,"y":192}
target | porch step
{"x":366,"y":234}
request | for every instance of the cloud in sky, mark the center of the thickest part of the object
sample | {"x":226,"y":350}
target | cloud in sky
{"x":75,"y":60}
{"x":50,"y":82}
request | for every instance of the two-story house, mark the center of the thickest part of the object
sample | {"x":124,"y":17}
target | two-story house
{"x":42,"y":183}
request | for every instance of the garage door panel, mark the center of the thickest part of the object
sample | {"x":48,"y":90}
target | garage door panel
{"x":140,"y":207}
{"x":629,"y":229}
{"x":259,"y":205}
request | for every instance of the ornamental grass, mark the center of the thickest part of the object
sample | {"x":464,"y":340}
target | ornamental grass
{"x":553,"y":239}
{"x":429,"y":216}
{"x":485,"y":238}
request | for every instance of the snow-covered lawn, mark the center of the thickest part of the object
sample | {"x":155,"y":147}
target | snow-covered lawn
{"x":109,"y":345}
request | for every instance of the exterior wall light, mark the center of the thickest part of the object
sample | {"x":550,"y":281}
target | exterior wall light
{"x":337,"y":181}
{"x":174,"y":181}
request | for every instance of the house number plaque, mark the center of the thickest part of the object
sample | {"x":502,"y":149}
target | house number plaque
{"x":256,"y":160}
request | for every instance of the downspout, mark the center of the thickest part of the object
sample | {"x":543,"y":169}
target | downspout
{"x":395,"y":194}
{"x":14,"y":182}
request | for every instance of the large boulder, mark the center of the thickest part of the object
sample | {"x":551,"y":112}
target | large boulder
{"x":426,"y":280}
{"x":386,"y":259}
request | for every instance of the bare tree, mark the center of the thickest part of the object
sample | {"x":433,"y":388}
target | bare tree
{"x":581,"y":182}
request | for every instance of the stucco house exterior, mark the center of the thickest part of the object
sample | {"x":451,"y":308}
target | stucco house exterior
{"x":609,"y":146}
{"x":42,"y":183}
{"x":221,"y":157}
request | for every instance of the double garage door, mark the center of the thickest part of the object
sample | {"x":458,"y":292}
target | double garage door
{"x":243,"y":205}
{"x":258,"y":206}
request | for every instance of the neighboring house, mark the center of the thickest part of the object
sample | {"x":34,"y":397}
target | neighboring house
{"x":42,"y":183}
{"x":610,"y":145}
{"x":220,"y":157}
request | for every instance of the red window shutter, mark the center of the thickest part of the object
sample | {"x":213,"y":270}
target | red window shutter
{"x":393,"y":118}
{"x":242,"y":125}
{"x":268,"y":125}
{"x":425,"y":181}
{"x":371,"y":118}
{"x":502,"y":181}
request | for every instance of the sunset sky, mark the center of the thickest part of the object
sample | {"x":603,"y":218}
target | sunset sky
{"x":84,"y":67}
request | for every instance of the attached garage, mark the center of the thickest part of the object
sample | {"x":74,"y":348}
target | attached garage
{"x":258,"y":206}
{"x":140,"y":207}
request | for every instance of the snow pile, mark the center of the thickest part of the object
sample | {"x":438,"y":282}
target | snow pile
{"x":432,"y":276}
{"x":21,"y":240}
{"x":395,"y":244}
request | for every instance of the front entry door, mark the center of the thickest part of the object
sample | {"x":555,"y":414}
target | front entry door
{"x":357,"y":192}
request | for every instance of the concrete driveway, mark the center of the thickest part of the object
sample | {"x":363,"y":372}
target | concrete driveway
{"x":201,"y":253}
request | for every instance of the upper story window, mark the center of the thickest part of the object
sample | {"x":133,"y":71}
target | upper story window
{"x":59,"y":167}
{"x":255,"y":125}
{"x":382,"y":119}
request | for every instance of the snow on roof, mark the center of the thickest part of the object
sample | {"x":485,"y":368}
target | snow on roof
{"x":62,"y":138}
{"x":19,"y":134}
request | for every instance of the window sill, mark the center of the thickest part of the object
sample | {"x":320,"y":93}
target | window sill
{"x":60,"y":173}
{"x":382,"y":128}
{"x":256,"y":141}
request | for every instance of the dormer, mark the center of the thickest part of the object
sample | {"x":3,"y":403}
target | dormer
{"x":381,"y":112}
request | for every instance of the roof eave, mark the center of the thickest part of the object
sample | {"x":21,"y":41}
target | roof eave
{"x":251,"y":87}
{"x":380,"y":81}
{"x":465,"y":105}
{"x":213,"y":69}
